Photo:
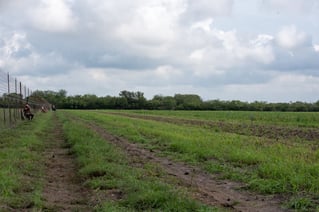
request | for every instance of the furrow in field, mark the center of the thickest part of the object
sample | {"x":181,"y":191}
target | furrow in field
{"x":203,"y":186}
{"x":62,"y":188}
{"x":267,"y":131}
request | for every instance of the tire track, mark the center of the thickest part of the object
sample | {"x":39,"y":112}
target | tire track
{"x":62,"y":188}
{"x":203,"y":186}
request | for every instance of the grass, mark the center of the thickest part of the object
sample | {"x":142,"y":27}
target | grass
{"x":21,"y":164}
{"x":301,"y":204}
{"x":107,"y":169}
{"x":293,"y":119}
{"x":266,"y":165}
{"x":9,"y":117}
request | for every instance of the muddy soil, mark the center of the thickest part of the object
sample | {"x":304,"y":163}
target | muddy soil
{"x":202,"y":186}
{"x":62,"y":187}
{"x":267,"y":131}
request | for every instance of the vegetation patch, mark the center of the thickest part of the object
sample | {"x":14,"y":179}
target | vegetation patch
{"x":293,"y":119}
{"x":268,"y":166}
{"x":106,"y":169}
{"x":21,"y":164}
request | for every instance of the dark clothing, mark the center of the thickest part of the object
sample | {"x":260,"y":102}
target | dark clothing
{"x":27,"y":112}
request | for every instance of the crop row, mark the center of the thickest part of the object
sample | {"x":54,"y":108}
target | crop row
{"x":298,"y":119}
{"x":265,"y":165}
{"x":108,"y":171}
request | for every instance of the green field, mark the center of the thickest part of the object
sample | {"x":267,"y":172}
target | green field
{"x":270,"y":153}
{"x":297,"y":119}
{"x":273,"y":166}
{"x":21,"y":164}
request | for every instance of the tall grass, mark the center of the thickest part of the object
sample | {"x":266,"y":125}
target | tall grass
{"x":106,"y":168}
{"x":266,"y":165}
{"x":8,"y":117}
{"x":21,"y":164}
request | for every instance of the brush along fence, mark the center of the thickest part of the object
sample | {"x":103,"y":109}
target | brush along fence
{"x":13,"y":96}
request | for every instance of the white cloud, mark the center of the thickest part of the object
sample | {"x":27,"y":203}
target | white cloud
{"x":70,"y":81}
{"x":98,"y":75}
{"x":152,"y":27}
{"x":226,"y":51}
{"x":283,"y":87}
{"x":228,"y":38}
{"x":104,"y":81}
{"x":289,"y":37}
{"x":167,"y":72}
{"x":202,"y":9}
{"x":204,"y":25}
{"x":262,"y":49}
{"x":53,"y":16}
{"x":12,"y":44}
{"x":18,"y":56}
{"x":162,"y":46}
{"x":197,"y":56}
{"x":290,"y":6}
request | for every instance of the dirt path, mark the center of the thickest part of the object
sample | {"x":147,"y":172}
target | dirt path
{"x":202,"y":185}
{"x":62,"y":188}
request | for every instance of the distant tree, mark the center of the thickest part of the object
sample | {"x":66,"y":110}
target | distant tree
{"x":90,"y":101}
{"x":160,"y":102}
{"x":213,"y":105}
{"x":316,"y":106}
{"x":281,"y":107}
{"x":56,"y":98}
{"x":256,"y":106}
{"x":169,"y":103}
{"x":299,"y":106}
{"x":121,"y":103}
{"x":135,"y":100}
{"x":188,"y":101}
{"x":155,"y":103}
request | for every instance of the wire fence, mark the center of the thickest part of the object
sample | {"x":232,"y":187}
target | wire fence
{"x":13,"y":97}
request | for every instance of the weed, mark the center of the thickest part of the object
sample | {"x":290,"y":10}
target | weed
{"x":300,"y":204}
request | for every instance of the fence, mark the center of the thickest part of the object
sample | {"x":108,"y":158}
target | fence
{"x":13,"y":96}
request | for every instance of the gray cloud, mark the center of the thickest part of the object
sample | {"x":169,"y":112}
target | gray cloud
{"x":161,"y":46}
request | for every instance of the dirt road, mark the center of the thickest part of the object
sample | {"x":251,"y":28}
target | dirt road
{"x":63,"y":190}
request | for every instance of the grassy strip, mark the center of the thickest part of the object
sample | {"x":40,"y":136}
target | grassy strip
{"x":21,"y":164}
{"x":105,"y":167}
{"x":265,"y":165}
{"x":289,"y":134}
{"x":9,"y":117}
{"x":293,"y":119}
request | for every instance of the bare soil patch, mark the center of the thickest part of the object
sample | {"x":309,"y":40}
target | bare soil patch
{"x":203,"y":186}
{"x":62,"y":187}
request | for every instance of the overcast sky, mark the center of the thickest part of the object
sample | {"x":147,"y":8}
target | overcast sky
{"x":265,"y":50}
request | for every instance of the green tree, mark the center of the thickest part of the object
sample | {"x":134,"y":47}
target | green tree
{"x":135,"y":100}
{"x":188,"y":101}
{"x":163,"y":102}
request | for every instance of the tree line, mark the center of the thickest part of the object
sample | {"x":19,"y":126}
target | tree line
{"x":136,"y":100}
